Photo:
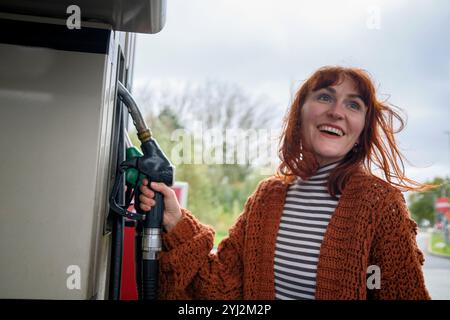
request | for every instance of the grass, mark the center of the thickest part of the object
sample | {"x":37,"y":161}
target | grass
{"x":437,"y":239}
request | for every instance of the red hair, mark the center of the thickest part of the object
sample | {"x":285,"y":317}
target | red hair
{"x":376,"y":146}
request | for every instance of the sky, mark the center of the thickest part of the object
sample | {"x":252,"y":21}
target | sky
{"x":269,"y":47}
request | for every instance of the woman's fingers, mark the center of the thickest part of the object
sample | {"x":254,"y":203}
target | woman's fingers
{"x":146,"y":196}
{"x":147,"y":191}
{"x":172,"y":213}
{"x":146,"y":200}
{"x":164,"y":189}
{"x":160,"y":187}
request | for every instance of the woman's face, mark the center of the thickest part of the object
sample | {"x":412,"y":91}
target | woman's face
{"x":332,"y":121}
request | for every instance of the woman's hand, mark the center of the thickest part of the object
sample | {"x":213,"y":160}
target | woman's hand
{"x":172,"y":211}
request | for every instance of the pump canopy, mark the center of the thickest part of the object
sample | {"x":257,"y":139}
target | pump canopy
{"x":140,"y":16}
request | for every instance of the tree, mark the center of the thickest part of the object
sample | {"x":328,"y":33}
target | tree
{"x":422,"y":203}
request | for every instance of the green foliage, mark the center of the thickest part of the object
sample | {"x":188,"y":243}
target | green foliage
{"x":438,"y":244}
{"x":422,"y":203}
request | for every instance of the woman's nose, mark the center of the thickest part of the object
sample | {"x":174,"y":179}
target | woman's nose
{"x":336,"y":111}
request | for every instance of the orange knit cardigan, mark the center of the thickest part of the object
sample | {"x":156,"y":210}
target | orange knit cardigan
{"x":370,"y":226}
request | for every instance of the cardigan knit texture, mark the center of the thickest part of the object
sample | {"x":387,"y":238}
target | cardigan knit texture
{"x":370,"y":226}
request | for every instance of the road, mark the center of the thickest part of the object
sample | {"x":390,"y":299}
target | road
{"x":436,"y":271}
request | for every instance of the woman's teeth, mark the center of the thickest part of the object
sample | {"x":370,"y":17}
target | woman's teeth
{"x":336,"y":131}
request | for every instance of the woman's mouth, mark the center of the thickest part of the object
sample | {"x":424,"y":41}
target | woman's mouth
{"x":331,"y":131}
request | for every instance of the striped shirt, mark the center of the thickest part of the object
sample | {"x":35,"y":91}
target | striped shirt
{"x":307,"y":211}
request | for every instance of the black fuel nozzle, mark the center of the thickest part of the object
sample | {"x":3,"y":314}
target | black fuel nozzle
{"x":155,"y":166}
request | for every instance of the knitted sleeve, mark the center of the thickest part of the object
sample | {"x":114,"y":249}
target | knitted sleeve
{"x":188,"y":269}
{"x":396,"y":253}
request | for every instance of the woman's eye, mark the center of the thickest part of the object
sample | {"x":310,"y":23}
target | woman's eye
{"x":324,"y":97}
{"x":354,"y":106}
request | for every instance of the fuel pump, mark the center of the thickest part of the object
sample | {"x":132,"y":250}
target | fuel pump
{"x":156,"y":167}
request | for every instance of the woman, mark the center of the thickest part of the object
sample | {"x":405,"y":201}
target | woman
{"x":324,"y":227}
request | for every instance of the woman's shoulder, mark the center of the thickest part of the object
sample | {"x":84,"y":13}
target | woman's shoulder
{"x":376,"y":193}
{"x":273,"y":183}
{"x":385,"y":201}
{"x":367,"y":182}
{"x":270,"y":189}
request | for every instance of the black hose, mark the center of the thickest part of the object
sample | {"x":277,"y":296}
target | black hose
{"x":116,"y":257}
{"x":143,"y":131}
{"x":115,"y":276}
{"x":150,"y":270}
{"x":138,"y":258}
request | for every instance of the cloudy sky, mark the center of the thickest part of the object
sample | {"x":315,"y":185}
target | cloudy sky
{"x":269,"y":47}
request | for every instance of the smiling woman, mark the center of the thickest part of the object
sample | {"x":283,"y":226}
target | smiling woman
{"x":334,"y":112}
{"x":316,"y":228}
